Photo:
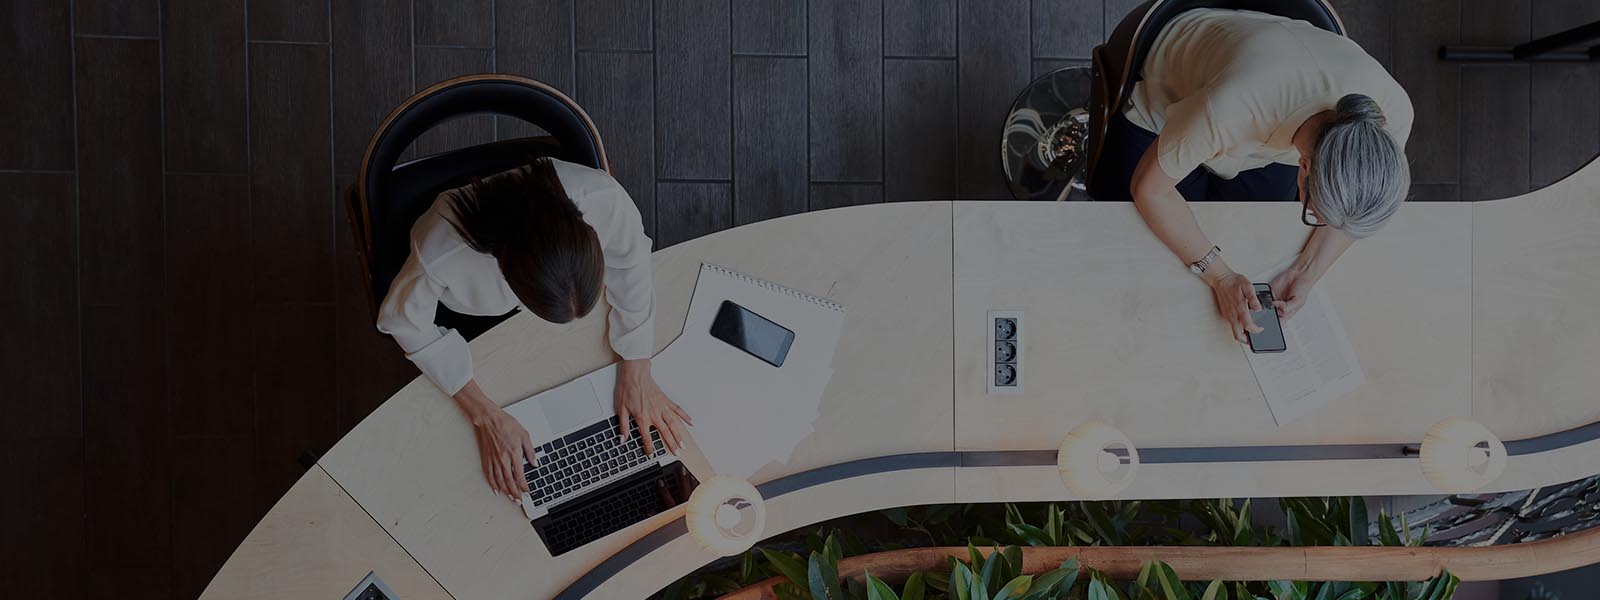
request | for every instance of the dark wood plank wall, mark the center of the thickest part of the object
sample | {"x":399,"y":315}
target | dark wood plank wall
{"x":187,"y":314}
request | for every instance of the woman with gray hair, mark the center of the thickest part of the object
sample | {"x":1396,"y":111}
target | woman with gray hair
{"x":1240,"y":106}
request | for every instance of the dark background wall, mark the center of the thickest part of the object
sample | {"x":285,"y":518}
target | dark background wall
{"x":185,"y":317}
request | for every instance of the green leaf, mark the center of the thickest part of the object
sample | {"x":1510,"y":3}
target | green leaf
{"x":1406,"y":528}
{"x":915,"y":588}
{"x":1313,"y":523}
{"x":824,"y":579}
{"x":1030,"y":535}
{"x":1205,"y":511}
{"x":855,"y":590}
{"x":831,"y":548}
{"x":1015,"y":588}
{"x":1170,"y":584}
{"x":1213,"y":590}
{"x":895,"y":515}
{"x":974,"y":558}
{"x":1143,"y":580}
{"x":961,"y":580}
{"x":813,"y":542}
{"x":1336,"y":513}
{"x":1100,"y":521}
{"x":989,"y":579}
{"x":1292,"y":524}
{"x":1099,"y":589}
{"x":1013,"y":557}
{"x":789,"y":591}
{"x":850,"y":543}
{"x":1441,"y":587}
{"x":789,"y":564}
{"x":1055,"y":581}
{"x":939,"y":581}
{"x":1358,"y":522}
{"x":1080,"y":534}
{"x":878,"y":590}
{"x":1387,"y":535}
{"x":748,"y":569}
{"x":1054,"y":515}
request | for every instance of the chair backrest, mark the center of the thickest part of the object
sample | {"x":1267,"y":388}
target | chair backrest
{"x":1130,"y":42}
{"x":389,"y":197}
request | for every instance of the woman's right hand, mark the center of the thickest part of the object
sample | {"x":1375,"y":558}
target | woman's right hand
{"x":502,"y":442}
{"x":1236,"y":298}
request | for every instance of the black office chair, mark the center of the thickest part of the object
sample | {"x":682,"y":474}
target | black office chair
{"x":388,"y":197}
{"x":1118,"y":63}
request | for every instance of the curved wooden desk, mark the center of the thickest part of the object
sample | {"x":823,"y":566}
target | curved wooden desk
{"x":1481,"y":310}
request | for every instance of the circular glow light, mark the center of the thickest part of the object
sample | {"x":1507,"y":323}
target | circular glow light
{"x":1459,"y":455}
{"x":1096,"y":461}
{"x":726,"y":515}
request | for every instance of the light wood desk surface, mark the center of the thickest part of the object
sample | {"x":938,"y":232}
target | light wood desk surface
{"x":415,"y":468}
{"x":317,"y":543}
{"x":1484,"y":310}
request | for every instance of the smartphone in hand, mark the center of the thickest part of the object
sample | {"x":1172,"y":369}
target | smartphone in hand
{"x":1270,"y":339}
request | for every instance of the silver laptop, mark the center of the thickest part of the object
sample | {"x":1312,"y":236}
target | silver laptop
{"x":589,"y":482}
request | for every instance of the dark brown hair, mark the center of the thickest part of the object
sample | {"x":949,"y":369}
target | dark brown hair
{"x":549,"y":256}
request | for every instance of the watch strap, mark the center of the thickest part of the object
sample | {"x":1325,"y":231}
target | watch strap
{"x":1199,"y":267}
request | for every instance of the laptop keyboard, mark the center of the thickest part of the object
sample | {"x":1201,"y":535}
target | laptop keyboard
{"x":585,"y":457}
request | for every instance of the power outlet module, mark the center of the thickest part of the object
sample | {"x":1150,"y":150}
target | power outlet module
{"x":1005,"y":351}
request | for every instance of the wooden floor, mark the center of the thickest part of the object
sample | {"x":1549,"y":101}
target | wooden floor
{"x":187,"y":320}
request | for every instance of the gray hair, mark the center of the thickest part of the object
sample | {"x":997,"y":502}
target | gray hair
{"x":1359,"y":175}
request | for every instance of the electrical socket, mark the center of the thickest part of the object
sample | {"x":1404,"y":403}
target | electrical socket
{"x":371,"y":588}
{"x":1005,"y":351}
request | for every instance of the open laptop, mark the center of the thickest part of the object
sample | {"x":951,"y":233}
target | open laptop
{"x":589,"y":483}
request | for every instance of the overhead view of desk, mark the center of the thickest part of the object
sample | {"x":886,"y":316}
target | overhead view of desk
{"x":1480,"y":310}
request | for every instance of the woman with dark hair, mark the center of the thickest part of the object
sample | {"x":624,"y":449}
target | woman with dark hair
{"x":548,"y":237}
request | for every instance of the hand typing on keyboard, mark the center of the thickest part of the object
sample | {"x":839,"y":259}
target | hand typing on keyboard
{"x":640,"y":398}
{"x":503,"y":443}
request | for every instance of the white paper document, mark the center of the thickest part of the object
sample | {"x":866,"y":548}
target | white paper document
{"x":1319,"y":365}
{"x":748,"y":413}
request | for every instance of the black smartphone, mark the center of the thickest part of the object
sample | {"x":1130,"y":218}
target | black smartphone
{"x":1271,"y":337}
{"x":752,"y":333}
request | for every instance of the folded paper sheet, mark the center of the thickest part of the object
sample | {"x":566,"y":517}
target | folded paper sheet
{"x":748,"y":413}
{"x":1319,"y":365}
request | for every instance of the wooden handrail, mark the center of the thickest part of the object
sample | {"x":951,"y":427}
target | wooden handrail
{"x":1204,"y":563}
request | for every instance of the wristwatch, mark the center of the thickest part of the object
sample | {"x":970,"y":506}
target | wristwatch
{"x":1199,"y":267}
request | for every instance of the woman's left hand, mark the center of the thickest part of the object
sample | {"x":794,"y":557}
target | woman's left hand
{"x":1290,"y":289}
{"x":639,"y":397}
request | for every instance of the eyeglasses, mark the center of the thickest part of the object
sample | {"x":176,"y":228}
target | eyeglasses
{"x":1308,"y":217}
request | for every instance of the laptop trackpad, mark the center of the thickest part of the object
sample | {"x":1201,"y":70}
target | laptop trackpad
{"x":571,"y":407}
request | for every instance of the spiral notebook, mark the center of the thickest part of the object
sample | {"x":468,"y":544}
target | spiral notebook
{"x":748,"y":413}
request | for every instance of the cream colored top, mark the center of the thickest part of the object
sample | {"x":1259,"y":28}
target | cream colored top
{"x":1228,"y":88}
{"x":443,"y":269}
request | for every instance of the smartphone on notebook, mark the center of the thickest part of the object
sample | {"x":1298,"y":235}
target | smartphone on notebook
{"x":1271,"y":337}
{"x":752,"y":333}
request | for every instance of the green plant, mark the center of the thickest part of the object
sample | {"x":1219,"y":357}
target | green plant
{"x":999,"y":576}
{"x":1222,"y":522}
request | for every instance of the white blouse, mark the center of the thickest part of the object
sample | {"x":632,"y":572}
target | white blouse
{"x":443,"y":269}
